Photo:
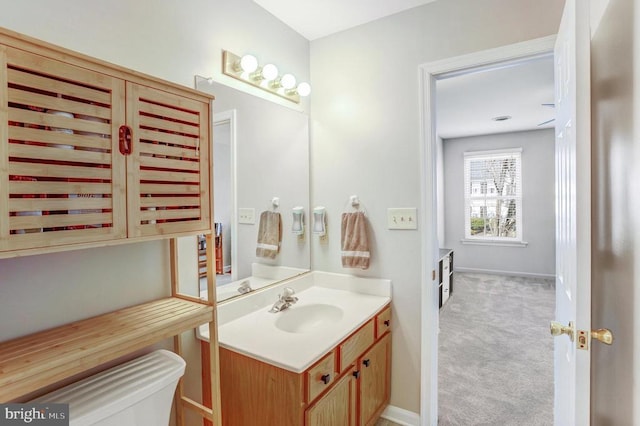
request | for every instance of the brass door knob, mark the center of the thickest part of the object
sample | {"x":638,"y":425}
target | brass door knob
{"x":558,"y":329}
{"x":603,"y":335}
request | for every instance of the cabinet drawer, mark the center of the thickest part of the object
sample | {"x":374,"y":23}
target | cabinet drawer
{"x":356,"y":344}
{"x":383,"y":322}
{"x":321,"y":376}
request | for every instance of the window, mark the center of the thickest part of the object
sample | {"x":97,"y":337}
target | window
{"x":493,"y":195}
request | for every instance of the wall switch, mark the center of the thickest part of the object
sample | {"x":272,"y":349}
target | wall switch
{"x":402,"y":218}
{"x":247,"y":216}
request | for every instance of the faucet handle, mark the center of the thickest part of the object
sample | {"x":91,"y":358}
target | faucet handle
{"x":244,"y":287}
{"x":288,"y":292}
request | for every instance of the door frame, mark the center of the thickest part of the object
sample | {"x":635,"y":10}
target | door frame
{"x":228,"y":117}
{"x":428,"y":74}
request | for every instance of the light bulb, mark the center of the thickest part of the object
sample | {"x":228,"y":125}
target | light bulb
{"x":269,"y":72}
{"x":304,"y":89}
{"x":249,"y":63}
{"x":288,"y":81}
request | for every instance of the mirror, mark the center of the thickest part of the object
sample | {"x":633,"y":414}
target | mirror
{"x":261,"y":163}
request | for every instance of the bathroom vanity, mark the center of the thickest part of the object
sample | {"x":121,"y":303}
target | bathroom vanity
{"x":324,"y":360}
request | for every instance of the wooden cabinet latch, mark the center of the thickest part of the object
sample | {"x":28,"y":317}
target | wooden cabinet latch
{"x":126,"y":140}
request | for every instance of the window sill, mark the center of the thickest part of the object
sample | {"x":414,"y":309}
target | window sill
{"x":494,"y":243}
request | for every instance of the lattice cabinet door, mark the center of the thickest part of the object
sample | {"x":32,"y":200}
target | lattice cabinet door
{"x":168,"y":169}
{"x":62,"y":177}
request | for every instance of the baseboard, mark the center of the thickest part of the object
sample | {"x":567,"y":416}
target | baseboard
{"x":401,"y":416}
{"x":498,"y":272}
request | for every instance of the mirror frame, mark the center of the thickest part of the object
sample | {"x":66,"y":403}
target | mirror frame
{"x":229,"y":116}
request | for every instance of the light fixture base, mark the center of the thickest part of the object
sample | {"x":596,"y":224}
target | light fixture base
{"x":230,"y":67}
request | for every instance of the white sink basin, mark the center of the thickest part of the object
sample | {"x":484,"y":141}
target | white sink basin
{"x":294,"y":339}
{"x":305,"y":318}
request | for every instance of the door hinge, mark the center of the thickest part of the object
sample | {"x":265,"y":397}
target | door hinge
{"x":433,"y":275}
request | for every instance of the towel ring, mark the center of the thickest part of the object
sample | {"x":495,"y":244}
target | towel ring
{"x":275,"y":203}
{"x":355,"y":204}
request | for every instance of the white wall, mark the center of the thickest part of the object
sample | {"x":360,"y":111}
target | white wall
{"x":365,"y":128}
{"x":615,"y":369}
{"x":169,"y":39}
{"x":165,"y":38}
{"x":365,"y":138}
{"x":40,"y":292}
{"x":538,"y":201}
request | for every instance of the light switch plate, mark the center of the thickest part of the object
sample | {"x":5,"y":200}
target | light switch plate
{"x":402,"y":218}
{"x":247,"y":216}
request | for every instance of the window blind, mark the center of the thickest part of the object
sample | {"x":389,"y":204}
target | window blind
{"x":493,"y":195}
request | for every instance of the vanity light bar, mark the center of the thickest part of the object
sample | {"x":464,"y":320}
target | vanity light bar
{"x":278,"y":85}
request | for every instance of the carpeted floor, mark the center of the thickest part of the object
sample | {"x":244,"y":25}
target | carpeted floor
{"x":495,"y":352}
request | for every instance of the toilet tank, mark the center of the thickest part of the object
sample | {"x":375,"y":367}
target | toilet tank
{"x":137,"y":393}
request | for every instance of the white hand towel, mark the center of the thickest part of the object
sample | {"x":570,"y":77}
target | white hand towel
{"x":354,"y":241}
{"x":269,"y":235}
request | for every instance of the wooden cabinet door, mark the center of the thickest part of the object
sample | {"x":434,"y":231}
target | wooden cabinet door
{"x":375,"y":376}
{"x":61,"y":174}
{"x":336,"y":407}
{"x":168,"y":170}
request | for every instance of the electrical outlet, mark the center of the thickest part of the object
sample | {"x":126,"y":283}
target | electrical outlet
{"x":247,"y":216}
{"x":402,"y":218}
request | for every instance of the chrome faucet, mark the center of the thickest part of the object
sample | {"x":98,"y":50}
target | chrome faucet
{"x":245,"y":287}
{"x":285,"y":300}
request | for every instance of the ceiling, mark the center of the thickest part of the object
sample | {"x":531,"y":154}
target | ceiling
{"x":314,"y":19}
{"x":467,"y":103}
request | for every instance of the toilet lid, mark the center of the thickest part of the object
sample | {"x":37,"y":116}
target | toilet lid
{"x":111,"y":391}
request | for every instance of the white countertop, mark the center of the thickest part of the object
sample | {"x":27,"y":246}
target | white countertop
{"x":255,"y":334}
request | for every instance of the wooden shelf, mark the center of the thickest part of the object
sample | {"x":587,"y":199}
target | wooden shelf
{"x":31,"y":362}
{"x":70,"y":178}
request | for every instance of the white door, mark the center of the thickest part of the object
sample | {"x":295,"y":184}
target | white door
{"x":573,"y":207}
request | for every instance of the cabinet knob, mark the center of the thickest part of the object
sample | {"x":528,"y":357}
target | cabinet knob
{"x":387,"y":322}
{"x":356,"y":374}
{"x":326,"y":378}
{"x":366,"y":362}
